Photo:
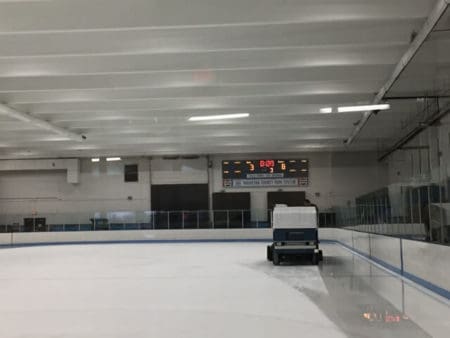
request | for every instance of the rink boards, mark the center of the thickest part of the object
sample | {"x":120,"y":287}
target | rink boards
{"x":420,"y":262}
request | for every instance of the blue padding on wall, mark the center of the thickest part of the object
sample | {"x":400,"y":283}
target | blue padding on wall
{"x":142,"y":226}
{"x":116,"y":226}
{"x":86,"y":227}
{"x":56,"y":227}
{"x":72,"y":227}
{"x":428,"y":285}
{"x":132,"y":226}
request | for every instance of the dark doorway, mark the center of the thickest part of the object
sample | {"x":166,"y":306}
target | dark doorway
{"x":179,"y":206}
{"x":231,"y":210}
{"x":34,"y":224}
{"x":290,"y":198}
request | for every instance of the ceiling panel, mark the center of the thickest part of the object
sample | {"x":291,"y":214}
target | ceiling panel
{"x":129,"y":74}
{"x":62,"y":15}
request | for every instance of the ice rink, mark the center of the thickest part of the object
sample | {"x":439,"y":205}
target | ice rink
{"x":205,"y":290}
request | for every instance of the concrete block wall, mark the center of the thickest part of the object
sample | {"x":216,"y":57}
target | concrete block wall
{"x":101,"y":188}
{"x":335,"y":179}
{"x":70,"y":165}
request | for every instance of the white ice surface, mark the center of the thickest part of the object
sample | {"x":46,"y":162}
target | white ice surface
{"x":212,"y":290}
{"x":137,"y":290}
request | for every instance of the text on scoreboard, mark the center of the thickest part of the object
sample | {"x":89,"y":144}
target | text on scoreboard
{"x":265,"y":172}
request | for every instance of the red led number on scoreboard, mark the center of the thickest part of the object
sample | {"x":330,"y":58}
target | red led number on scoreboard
{"x":266,"y":163}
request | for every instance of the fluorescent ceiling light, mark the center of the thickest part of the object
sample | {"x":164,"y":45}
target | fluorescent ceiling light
{"x":327,"y":110}
{"x":95,"y":159}
{"x":351,"y":109}
{"x":218,"y":117}
{"x":112,"y":159}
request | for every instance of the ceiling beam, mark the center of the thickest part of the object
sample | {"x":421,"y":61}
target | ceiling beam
{"x":414,"y":47}
{"x":39,"y":123}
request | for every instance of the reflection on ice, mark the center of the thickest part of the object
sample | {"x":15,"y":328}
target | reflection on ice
{"x":364,"y":300}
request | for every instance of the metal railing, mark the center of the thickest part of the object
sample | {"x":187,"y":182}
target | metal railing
{"x":146,"y":220}
{"x":136,"y":220}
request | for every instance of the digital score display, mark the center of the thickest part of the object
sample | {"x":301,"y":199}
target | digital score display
{"x":265,"y":172}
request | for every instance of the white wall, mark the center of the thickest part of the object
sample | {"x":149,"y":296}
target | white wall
{"x":336,"y":177}
{"x":101,"y":188}
{"x":72,"y":165}
{"x":179,"y":171}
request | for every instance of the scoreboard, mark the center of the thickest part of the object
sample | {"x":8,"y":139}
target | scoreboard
{"x":265,"y":173}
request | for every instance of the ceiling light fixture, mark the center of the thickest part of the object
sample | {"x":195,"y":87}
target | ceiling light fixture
{"x":327,"y":110}
{"x":95,"y":159}
{"x":218,"y":117}
{"x":113,"y":159}
{"x":351,"y":109}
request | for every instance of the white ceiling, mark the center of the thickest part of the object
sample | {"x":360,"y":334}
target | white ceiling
{"x":128,"y":74}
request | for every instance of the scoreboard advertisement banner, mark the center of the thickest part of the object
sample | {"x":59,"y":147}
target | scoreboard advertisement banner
{"x":265,"y":173}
